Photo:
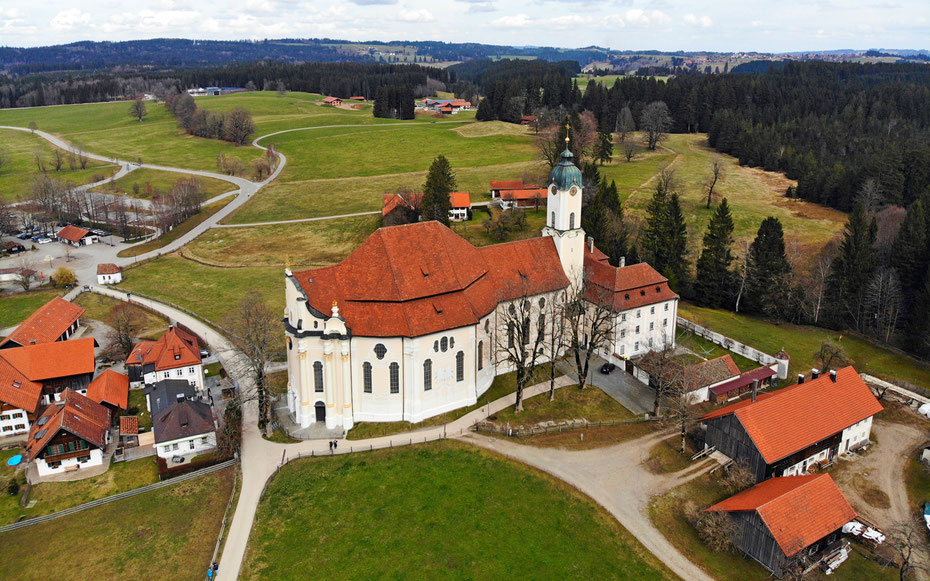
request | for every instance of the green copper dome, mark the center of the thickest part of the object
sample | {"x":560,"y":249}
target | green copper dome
{"x":566,"y":174}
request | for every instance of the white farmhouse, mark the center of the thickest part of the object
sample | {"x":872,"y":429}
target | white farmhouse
{"x":175,"y":355}
{"x":109,"y":273}
{"x":410,"y":325}
{"x":184,"y":428}
{"x":71,"y":434}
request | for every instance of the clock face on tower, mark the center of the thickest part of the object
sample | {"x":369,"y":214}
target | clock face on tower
{"x":574,"y":190}
{"x":554,"y":190}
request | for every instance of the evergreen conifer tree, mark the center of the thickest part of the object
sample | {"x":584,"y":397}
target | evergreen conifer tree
{"x":768,"y":269}
{"x":485,"y":111}
{"x":655,"y":236}
{"x":604,"y":148}
{"x":676,"y":269}
{"x":910,"y":252}
{"x":713,"y":282}
{"x":851,"y":270}
{"x":440,"y":182}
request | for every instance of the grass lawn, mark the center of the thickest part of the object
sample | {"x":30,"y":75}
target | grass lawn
{"x":666,"y":456}
{"x":20,"y":170}
{"x":917,"y":479}
{"x":176,"y":232}
{"x":801,"y":342}
{"x":137,"y":408}
{"x":172,"y":531}
{"x":503,"y":385}
{"x":475,"y":232}
{"x":209,"y":291}
{"x":151,"y":181}
{"x":15,"y":307}
{"x":306,"y":244}
{"x":570,"y":403}
{"x":54,"y":496}
{"x":441,"y":510}
{"x":100,"y":307}
{"x":287,"y":199}
{"x":705,"y":348}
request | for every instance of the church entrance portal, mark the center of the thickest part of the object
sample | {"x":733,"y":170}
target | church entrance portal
{"x":320,"y":411}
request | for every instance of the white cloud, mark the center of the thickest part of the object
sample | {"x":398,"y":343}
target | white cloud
{"x":644,"y":18}
{"x":512,"y":21}
{"x":70,"y":19}
{"x":756,"y":23}
{"x":416,"y":15}
{"x":260,"y":6}
{"x":702,"y":21}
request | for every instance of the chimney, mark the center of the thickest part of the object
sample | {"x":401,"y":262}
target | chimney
{"x":815,"y":373}
{"x":591,"y":244}
{"x":833,"y":375}
{"x":800,"y":378}
{"x":622,"y":262}
{"x":755,"y":389}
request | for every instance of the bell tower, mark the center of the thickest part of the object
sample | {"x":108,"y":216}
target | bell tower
{"x":563,"y":219}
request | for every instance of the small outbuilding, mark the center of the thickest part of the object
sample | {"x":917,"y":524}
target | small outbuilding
{"x":109,"y":273}
{"x":14,"y":247}
{"x":333,"y":101}
{"x":787,"y":519}
{"x":76,"y":236}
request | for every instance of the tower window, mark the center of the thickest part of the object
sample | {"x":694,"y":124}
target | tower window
{"x":571,"y":221}
{"x":366,"y":371}
{"x":553,"y":219}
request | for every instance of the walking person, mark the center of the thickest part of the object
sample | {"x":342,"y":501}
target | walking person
{"x":335,"y":444}
{"x":330,"y":446}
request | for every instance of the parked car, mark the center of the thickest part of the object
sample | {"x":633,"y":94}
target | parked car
{"x":24,"y":236}
{"x":204,"y":353}
{"x":607,"y":368}
{"x":36,"y":237}
{"x":43,"y":240}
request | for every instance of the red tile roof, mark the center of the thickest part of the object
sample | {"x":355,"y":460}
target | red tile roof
{"x":110,"y":387}
{"x":72,"y":233}
{"x":524,"y":194}
{"x":460,"y":199}
{"x":716,"y":370}
{"x":174,"y":349}
{"x":422,"y":278}
{"x":331,"y":99}
{"x":74,"y":414}
{"x":17,"y":390}
{"x":128,"y":425}
{"x":108,"y":268}
{"x":624,"y":288}
{"x":52,"y":360}
{"x":48,"y":323}
{"x":798,"y":416}
{"x":797,"y":510}
{"x":506,"y":185}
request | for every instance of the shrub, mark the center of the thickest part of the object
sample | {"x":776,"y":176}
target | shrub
{"x":12,"y":487}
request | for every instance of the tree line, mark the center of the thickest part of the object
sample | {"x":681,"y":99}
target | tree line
{"x":235,"y":126}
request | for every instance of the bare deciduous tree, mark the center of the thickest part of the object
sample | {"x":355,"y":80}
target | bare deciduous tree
{"x":25,"y":273}
{"x":39,"y":157}
{"x":624,"y":124}
{"x":591,"y":325}
{"x":717,"y":530}
{"x":655,"y":122}
{"x":743,"y":271}
{"x":256,"y":333}
{"x":238,"y":126}
{"x":831,"y":356}
{"x":229,"y":440}
{"x":518,"y":342}
{"x":554,"y":343}
{"x":883,"y":300}
{"x":629,"y":150}
{"x":125,"y":323}
{"x":906,"y":540}
{"x":717,"y":174}
{"x":57,"y":159}
{"x":138,"y":110}
{"x":870,"y":196}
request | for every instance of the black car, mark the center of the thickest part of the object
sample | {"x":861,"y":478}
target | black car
{"x":607,"y":368}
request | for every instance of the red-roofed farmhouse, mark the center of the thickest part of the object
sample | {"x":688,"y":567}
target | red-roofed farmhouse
{"x":56,"y":320}
{"x":70,"y":434}
{"x":175,"y":355}
{"x":787,"y":432}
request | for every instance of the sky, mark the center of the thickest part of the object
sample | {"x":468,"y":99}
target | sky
{"x":668,"y":25}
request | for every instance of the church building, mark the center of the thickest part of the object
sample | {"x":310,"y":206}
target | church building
{"x":407,"y":326}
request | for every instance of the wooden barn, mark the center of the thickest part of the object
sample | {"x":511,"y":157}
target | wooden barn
{"x":787,"y":523}
{"x":797,"y":429}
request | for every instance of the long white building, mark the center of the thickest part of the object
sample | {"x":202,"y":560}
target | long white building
{"x":413,"y":323}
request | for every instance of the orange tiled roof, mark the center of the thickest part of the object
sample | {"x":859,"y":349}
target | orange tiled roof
{"x":797,"y":510}
{"x":422,"y":278}
{"x":391,"y":201}
{"x":460,"y":199}
{"x":48,"y":323}
{"x":331,"y":99}
{"x":72,"y":233}
{"x":624,"y":288}
{"x":524,"y":194}
{"x":50,"y":360}
{"x":506,"y":185}
{"x":110,"y":387}
{"x":803,"y":414}
{"x":128,"y":425}
{"x":74,"y":414}
{"x":18,"y":390}
{"x":108,"y":268}
{"x":172,"y":350}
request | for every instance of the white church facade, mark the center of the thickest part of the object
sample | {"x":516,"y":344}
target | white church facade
{"x":406,"y":327}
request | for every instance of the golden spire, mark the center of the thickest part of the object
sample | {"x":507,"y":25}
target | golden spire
{"x":334,"y":304}
{"x":287,"y":262}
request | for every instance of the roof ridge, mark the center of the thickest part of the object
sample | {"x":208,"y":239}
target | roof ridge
{"x":808,"y":479}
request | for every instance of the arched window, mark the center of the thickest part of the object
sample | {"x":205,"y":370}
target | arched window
{"x":553,"y":220}
{"x":541,"y":328}
{"x":542,"y":302}
{"x":510,"y":330}
{"x":487,"y":325}
{"x":366,"y":372}
{"x":436,"y":346}
{"x":316,"y":324}
{"x":444,"y":344}
{"x":526,"y":330}
{"x":318,"y":376}
{"x":460,"y":366}
{"x":480,"y":355}
{"x":395,"y":378}
{"x":380,"y":351}
{"x":290,"y":344}
{"x":451,"y":342}
{"x":300,"y":324}
{"x":427,"y":375}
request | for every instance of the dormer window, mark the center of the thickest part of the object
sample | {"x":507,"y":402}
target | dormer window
{"x":177,"y":356}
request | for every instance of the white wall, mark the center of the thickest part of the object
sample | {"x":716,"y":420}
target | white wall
{"x":661,"y":317}
{"x":182,"y":447}
{"x":13,"y":422}
{"x":110,"y":278}
{"x":192,"y":373}
{"x":96,"y":459}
